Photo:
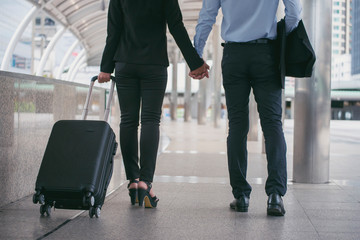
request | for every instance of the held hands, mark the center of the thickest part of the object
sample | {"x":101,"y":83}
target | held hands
{"x":200,"y":72}
{"x":103,"y":77}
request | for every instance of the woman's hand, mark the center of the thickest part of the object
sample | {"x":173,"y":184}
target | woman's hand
{"x":200,"y":72}
{"x":103,"y":77}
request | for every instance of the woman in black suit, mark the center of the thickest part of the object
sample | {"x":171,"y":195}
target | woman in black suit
{"x":136,"y":47}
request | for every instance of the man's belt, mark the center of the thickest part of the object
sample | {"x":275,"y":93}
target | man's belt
{"x":257,"y":41}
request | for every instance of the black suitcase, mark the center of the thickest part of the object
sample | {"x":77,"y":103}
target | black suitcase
{"x":77,"y":165}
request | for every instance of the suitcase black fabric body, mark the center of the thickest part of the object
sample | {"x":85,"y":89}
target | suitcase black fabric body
{"x":77,"y":166}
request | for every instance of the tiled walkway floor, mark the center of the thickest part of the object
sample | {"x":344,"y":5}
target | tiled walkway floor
{"x":192,"y":184}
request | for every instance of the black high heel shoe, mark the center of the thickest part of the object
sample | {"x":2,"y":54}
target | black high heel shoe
{"x":133,"y":192}
{"x":144,"y":196}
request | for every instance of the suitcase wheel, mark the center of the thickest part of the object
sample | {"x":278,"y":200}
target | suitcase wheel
{"x":94,"y":211}
{"x":45,"y":209}
{"x":38,"y":198}
{"x":88,"y":200}
{"x":42,"y":199}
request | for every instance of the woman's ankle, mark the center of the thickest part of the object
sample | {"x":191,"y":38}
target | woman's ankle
{"x":144,"y":185}
{"x":133,"y":183}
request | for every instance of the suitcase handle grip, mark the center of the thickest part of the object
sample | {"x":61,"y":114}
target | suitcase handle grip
{"x":108,"y":104}
{"x":94,"y":78}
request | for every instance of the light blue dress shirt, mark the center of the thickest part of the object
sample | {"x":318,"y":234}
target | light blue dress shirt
{"x":244,"y":20}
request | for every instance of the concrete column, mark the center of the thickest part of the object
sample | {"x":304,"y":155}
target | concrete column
{"x":217,"y":56}
{"x":202,"y":102}
{"x":263,"y":149}
{"x":312,"y":100}
{"x":202,"y":98}
{"x":174,"y":93}
{"x":187,"y":95}
{"x":253,"y":119}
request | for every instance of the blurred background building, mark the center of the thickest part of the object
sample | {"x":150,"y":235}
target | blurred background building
{"x":355,"y":69}
{"x":341,"y":40}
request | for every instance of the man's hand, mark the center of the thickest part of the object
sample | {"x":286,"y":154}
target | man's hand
{"x":103,"y":77}
{"x":200,"y":72}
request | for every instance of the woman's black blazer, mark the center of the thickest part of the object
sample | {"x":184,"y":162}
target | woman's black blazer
{"x":136,"y":33}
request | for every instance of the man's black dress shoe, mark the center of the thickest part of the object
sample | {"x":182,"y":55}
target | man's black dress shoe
{"x":275,"y":205}
{"x":241,"y":204}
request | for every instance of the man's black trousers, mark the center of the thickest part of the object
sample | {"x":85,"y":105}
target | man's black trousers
{"x":246,"y":66}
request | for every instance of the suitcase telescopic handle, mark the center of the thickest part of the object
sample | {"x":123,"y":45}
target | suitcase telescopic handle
{"x":88,"y":97}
